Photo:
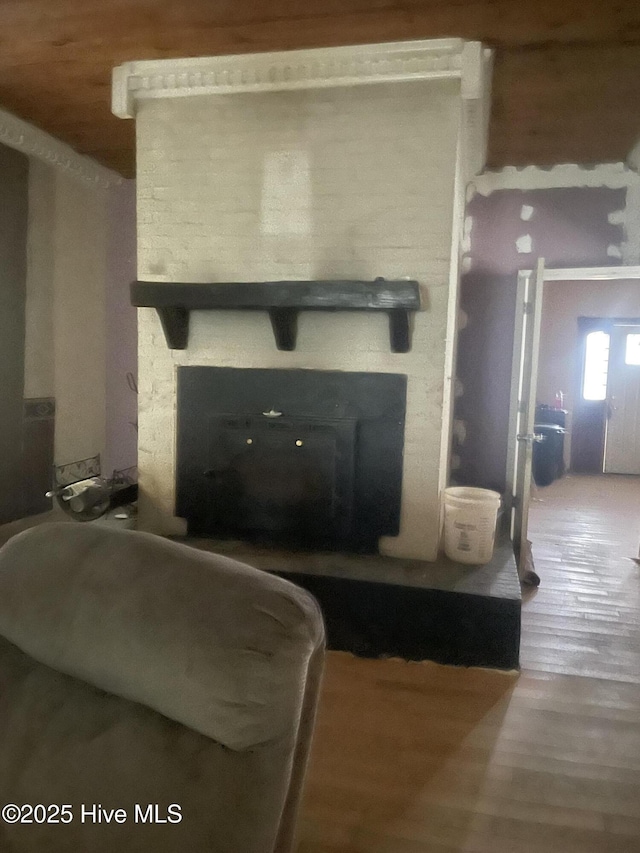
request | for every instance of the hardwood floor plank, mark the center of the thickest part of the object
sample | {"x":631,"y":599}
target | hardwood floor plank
{"x":421,"y":758}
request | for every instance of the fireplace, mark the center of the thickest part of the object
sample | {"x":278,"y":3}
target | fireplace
{"x":308,"y":458}
{"x":338,"y":174}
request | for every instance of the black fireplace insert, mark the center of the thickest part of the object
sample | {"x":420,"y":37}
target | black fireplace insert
{"x":304,"y":458}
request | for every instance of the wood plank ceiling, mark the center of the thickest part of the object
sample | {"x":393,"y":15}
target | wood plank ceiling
{"x":566,"y":81}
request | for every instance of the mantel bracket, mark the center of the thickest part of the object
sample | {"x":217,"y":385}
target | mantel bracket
{"x":175,"y":325}
{"x":284,"y":322}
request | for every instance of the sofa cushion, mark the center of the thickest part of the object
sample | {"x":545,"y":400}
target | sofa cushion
{"x":209,"y":642}
{"x":67,"y":743}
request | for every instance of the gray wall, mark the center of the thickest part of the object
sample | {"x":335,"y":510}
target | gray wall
{"x":122,"y":330}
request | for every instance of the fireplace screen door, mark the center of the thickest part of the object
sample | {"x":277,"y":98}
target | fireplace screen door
{"x":286,"y":477}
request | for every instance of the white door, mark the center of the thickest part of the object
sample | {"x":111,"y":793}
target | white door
{"x":622,"y":444}
{"x":524,"y":379}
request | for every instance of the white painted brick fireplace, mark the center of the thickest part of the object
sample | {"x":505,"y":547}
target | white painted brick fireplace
{"x":345,"y":163}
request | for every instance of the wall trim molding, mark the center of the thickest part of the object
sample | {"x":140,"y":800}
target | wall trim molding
{"x":429,"y":59}
{"x":30,"y":140}
{"x":569,"y":175}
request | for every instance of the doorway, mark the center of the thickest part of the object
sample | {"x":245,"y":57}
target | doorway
{"x":589,"y":343}
{"x":543,"y":363}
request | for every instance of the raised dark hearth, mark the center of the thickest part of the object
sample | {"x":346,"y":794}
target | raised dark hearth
{"x":377,"y":606}
{"x":301,"y":457}
{"x":283,"y":300}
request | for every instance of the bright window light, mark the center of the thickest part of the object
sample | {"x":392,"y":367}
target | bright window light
{"x":632,"y":350}
{"x":596,"y":363}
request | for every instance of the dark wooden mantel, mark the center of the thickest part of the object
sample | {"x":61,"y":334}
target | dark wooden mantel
{"x":282,"y":300}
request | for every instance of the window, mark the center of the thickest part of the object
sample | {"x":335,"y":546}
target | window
{"x":632,"y":350}
{"x":596,"y":363}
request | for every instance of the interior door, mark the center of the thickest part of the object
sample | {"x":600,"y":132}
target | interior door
{"x":622,"y":445}
{"x":523,"y":400}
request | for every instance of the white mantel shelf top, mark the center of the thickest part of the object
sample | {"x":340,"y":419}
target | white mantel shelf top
{"x":431,"y":59}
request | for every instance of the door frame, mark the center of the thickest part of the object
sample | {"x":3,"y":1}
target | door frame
{"x":524,"y":375}
{"x":515,"y":492}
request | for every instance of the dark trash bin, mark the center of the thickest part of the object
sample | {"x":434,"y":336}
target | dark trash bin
{"x":548,"y":454}
{"x":550,"y":415}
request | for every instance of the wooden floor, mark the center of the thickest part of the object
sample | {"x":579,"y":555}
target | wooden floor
{"x":585,"y":617}
{"x":420,"y":758}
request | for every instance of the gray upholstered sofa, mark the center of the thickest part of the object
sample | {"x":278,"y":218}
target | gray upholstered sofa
{"x":135,"y":671}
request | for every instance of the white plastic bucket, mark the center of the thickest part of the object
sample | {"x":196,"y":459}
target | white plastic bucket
{"x":470,"y":517}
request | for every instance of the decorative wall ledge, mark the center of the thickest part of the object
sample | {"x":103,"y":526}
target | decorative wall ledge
{"x":282,"y":300}
{"x":24,"y":137}
{"x":429,"y":59}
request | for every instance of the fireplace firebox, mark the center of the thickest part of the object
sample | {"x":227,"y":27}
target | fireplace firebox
{"x":305,"y":458}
